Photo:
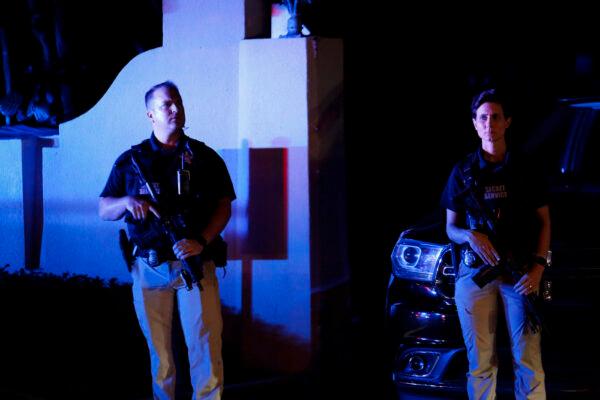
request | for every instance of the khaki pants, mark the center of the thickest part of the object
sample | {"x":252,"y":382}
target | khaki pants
{"x":154,"y":291}
{"x":478,"y":312}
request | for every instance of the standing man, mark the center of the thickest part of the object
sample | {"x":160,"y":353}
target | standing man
{"x":194,"y":189}
{"x":497,"y":212}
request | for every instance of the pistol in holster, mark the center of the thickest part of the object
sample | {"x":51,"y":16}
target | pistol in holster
{"x":126,"y":249}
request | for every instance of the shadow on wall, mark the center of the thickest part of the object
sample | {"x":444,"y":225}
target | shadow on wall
{"x":72,"y":336}
{"x":264,"y":236}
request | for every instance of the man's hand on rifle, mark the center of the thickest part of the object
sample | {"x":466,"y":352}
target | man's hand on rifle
{"x":139,"y":208}
{"x":530,"y":282}
{"x":480,"y":243}
{"x":186,"y":248}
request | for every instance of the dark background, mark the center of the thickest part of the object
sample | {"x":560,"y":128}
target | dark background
{"x":88,"y":43}
{"x":410,"y":72}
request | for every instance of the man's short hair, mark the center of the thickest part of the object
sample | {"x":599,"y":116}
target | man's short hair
{"x":165,"y":84}
{"x":490,"y":96}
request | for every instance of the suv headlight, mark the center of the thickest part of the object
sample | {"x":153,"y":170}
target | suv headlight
{"x":416,"y":260}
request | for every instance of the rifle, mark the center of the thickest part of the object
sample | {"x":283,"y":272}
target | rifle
{"x":192,"y":267}
{"x":487,"y":273}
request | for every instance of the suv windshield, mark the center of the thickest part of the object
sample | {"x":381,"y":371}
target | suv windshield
{"x":568,"y":144}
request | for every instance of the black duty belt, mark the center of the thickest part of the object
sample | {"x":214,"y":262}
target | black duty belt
{"x":154,"y":257}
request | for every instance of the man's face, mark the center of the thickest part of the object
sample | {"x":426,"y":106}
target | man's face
{"x":490,"y":122}
{"x":166,"y":111}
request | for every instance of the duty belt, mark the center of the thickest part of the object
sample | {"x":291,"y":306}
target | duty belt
{"x":154,"y":257}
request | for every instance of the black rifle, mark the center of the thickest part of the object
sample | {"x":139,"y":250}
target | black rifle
{"x":488,"y":273}
{"x":192,"y":269}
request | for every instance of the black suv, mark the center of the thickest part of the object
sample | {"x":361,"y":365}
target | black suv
{"x":423,"y":327}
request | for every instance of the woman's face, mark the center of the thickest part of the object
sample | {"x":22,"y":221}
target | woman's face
{"x":490,"y":122}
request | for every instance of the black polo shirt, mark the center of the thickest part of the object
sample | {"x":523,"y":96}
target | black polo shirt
{"x":510,"y":191}
{"x":209,"y":183}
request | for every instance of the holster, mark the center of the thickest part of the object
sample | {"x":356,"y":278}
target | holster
{"x":126,"y":249}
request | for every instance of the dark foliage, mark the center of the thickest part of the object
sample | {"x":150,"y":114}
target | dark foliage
{"x":73,"y":336}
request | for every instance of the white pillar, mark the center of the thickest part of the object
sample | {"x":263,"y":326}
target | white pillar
{"x":11,"y":205}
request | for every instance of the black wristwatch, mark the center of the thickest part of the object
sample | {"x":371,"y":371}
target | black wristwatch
{"x":202,"y":240}
{"x":543,"y":261}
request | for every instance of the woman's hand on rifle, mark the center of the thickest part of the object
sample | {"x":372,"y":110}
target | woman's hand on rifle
{"x":530,"y":281}
{"x":480,"y":243}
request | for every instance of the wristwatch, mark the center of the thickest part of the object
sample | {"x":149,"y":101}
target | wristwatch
{"x":202,"y":240}
{"x":540,"y":260}
{"x":543,"y":261}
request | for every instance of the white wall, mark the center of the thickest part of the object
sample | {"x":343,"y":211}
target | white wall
{"x":239,"y":95}
{"x":205,"y":69}
{"x":273,"y":113}
{"x":290,"y":99}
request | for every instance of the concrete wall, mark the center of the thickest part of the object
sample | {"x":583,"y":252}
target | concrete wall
{"x":290,"y":109}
